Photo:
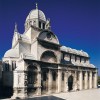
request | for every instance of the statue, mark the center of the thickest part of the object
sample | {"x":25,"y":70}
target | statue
{"x":47,"y":26}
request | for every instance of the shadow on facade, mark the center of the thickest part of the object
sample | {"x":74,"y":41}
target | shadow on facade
{"x":44,"y":98}
{"x":6,"y":91}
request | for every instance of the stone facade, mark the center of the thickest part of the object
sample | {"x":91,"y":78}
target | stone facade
{"x":37,"y":64}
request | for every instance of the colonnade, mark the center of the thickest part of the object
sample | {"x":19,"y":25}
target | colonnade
{"x":88,"y":80}
{"x":80,"y":80}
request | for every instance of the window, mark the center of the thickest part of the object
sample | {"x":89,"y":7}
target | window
{"x":84,"y":60}
{"x":80,"y":59}
{"x":49,"y":36}
{"x":39,"y":24}
{"x":43,"y":25}
{"x":13,"y":65}
{"x":70,"y":57}
{"x":75,"y":58}
{"x":6,"y":65}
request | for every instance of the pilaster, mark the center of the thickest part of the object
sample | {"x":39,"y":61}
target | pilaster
{"x":90,"y":80}
{"x":95,"y":80}
{"x":49,"y":82}
{"x":75,"y":81}
{"x":38,"y":83}
{"x":65,"y":81}
{"x":80,"y":80}
{"x":59,"y":80}
{"x":86,"y":80}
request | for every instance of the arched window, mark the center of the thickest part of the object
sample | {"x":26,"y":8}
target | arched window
{"x":49,"y":56}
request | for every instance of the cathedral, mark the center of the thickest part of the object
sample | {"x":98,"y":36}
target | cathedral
{"x":38,"y":64}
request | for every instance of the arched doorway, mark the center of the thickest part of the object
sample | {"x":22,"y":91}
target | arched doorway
{"x":70,"y":83}
{"x":48,"y":57}
{"x":31,"y":80}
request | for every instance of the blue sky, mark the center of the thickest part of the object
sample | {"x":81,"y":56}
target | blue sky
{"x":75,"y":22}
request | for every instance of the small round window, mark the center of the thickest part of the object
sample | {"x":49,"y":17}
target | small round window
{"x":49,"y":36}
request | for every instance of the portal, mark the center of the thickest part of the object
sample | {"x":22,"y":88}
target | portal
{"x":70,"y":83}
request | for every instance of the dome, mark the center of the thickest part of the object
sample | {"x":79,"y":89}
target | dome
{"x":35,"y":13}
{"x":12,"y":53}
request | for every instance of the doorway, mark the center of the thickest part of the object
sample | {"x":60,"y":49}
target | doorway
{"x":70,"y":83}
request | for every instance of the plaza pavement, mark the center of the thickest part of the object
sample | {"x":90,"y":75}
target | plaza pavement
{"x":93,"y":94}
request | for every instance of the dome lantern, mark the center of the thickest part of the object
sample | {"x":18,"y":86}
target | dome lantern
{"x":36,"y":18}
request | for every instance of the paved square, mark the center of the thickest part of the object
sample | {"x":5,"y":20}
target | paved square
{"x":93,"y":94}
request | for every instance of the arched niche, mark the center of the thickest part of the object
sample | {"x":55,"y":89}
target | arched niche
{"x":48,"y":56}
{"x":32,"y":74}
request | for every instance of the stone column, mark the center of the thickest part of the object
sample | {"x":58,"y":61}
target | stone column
{"x":95,"y":80}
{"x":39,"y":83}
{"x":75,"y":81}
{"x":90,"y":80}
{"x":86,"y":80}
{"x":80,"y":80}
{"x":15,"y":84}
{"x":59,"y":80}
{"x":49,"y":81}
{"x":65,"y":81}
